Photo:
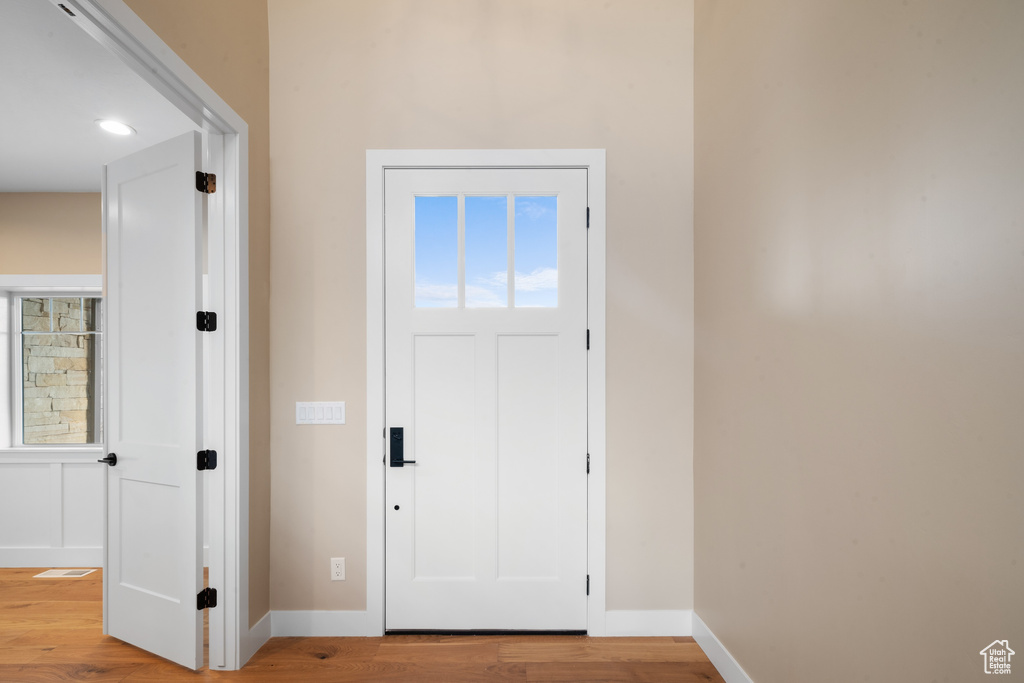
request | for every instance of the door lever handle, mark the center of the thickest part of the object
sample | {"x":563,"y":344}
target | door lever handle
{"x":398,"y":448}
{"x":111,"y":459}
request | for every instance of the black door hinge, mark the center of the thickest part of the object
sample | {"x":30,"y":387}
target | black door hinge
{"x":588,"y":584}
{"x":206,"y":321}
{"x":206,"y":599}
{"x":588,"y":340}
{"x":588,"y":216}
{"x":206,"y":460}
{"x":588,"y":463}
{"x":206,"y":182}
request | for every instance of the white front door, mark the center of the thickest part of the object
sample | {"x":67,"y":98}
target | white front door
{"x":153,"y":227}
{"x":486,"y":390}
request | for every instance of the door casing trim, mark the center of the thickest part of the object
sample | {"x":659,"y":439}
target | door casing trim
{"x":376,"y":162}
{"x":226,"y":152}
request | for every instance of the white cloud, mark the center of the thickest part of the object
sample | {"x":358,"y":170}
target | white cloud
{"x":482,"y":297}
{"x":529,"y":209}
{"x":486,"y":292}
{"x":539,"y":280}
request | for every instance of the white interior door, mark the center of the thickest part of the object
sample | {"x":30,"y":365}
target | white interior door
{"x":153,"y":224}
{"x":486,"y":377}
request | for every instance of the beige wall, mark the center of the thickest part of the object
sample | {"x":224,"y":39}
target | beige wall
{"x":50,"y":233}
{"x":225,"y":42}
{"x":860,"y":335}
{"x":363,"y":74}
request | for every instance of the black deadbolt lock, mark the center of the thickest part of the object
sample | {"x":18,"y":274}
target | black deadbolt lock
{"x":398,"y":449}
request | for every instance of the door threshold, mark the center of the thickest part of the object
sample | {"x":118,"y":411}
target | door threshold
{"x":478,"y":632}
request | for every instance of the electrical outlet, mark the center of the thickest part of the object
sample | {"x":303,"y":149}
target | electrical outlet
{"x":337,"y":569}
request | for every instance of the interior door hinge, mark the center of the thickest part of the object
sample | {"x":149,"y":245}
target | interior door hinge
{"x":588,"y":216}
{"x":206,"y":321}
{"x":206,"y":599}
{"x":206,"y":460}
{"x":588,"y":584}
{"x":588,"y":339}
{"x":588,"y":463}
{"x":206,"y":182}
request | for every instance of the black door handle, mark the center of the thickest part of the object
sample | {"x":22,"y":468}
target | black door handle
{"x":398,"y":449}
{"x":111,"y":459}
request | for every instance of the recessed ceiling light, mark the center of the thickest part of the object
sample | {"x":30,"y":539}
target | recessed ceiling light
{"x":115,"y":127}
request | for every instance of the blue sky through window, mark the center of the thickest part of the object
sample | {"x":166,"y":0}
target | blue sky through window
{"x":486,"y":252}
{"x":437,"y":252}
{"x":536,"y":251}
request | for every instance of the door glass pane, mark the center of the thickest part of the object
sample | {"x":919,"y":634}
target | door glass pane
{"x":536,"y":251}
{"x":60,"y":388}
{"x":486,"y":252}
{"x":437,"y":252}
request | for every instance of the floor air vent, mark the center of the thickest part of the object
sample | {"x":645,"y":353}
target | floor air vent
{"x":64,"y":573}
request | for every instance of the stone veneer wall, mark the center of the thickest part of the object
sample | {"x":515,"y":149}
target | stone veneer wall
{"x":58,"y":370}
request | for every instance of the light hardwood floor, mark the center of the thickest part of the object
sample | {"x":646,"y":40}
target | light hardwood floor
{"x":51,"y":630}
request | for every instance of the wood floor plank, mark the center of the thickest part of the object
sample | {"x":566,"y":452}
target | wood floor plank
{"x":47,"y":608}
{"x":620,"y":672}
{"x":8,"y":635}
{"x":14,"y":573}
{"x":338,"y":672}
{"x":105,"y":653}
{"x":475,"y":651}
{"x":29,"y":590}
{"x":21,"y":655}
{"x":61,"y":636}
{"x":56,"y":613}
{"x":602,"y":650}
{"x":22,"y":622}
{"x":303,"y":650}
{"x":48,"y":673}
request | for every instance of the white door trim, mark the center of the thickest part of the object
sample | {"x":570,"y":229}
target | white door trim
{"x":376,"y":162}
{"x":116,"y":27}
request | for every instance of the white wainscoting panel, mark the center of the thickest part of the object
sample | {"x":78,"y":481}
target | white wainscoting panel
{"x":51,"y":509}
{"x":25,"y":513}
{"x":83,"y":505}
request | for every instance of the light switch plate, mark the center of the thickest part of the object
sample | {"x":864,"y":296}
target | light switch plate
{"x":320,"y":413}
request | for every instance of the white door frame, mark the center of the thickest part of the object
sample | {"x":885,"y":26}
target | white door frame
{"x":376,"y":162}
{"x":116,"y":27}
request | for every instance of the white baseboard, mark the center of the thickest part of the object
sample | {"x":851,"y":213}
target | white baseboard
{"x":254,"y":638}
{"x":726,"y":664}
{"x":318,"y":623}
{"x":51,"y":557}
{"x":353,"y":623}
{"x":655,"y":622}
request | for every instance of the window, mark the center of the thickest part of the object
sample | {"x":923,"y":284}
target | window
{"x":437,"y":252}
{"x":55,"y":349}
{"x":506,"y":247}
{"x":486,"y":252}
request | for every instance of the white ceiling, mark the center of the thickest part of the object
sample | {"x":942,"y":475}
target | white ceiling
{"x":55,"y":81}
